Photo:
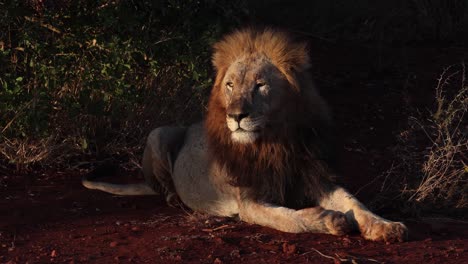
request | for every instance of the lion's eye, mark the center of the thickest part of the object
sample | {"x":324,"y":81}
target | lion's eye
{"x":229,"y":85}
{"x":260,"y":86}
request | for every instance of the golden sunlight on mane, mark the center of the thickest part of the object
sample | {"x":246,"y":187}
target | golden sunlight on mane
{"x":286,"y":55}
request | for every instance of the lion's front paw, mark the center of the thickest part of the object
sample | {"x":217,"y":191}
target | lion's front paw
{"x":382,"y":230}
{"x":337,"y":223}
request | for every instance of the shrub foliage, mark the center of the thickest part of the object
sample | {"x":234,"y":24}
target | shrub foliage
{"x":83,"y":76}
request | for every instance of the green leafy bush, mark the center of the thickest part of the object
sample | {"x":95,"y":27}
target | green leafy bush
{"x":95,"y":76}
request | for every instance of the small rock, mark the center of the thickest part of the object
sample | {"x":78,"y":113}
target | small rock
{"x":53,"y":254}
{"x":135,"y":229}
{"x":289,"y":249}
{"x":218,"y":240}
{"x":346,"y":241}
{"x":217,"y":261}
{"x":235,"y":253}
{"x":113,"y":244}
{"x":119,"y":258}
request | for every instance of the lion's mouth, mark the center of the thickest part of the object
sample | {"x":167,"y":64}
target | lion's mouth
{"x":245,"y":131}
{"x":243,"y":136}
{"x":247,"y":124}
{"x":240,"y":129}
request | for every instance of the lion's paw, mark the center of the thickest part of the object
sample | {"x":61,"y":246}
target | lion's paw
{"x":382,"y":230}
{"x":337,"y":223}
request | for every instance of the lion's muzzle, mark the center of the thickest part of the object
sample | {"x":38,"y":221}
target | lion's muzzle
{"x":245,"y":129}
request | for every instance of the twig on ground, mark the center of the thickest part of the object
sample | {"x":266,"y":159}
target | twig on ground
{"x":351,"y":259}
{"x":217,"y":228}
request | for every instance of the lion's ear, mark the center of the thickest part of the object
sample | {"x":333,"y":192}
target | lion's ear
{"x":216,"y":60}
{"x":299,"y":57}
{"x":221,"y":55}
{"x":219,"y":67}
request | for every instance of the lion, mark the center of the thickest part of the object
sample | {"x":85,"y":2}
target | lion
{"x":263,"y":152}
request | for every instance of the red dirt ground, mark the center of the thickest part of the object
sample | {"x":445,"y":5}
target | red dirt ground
{"x":55,"y":220}
{"x":51,"y":218}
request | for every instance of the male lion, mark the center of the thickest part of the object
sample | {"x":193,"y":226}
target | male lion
{"x":262,"y":153}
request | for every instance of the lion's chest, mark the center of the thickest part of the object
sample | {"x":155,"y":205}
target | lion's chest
{"x":200,"y":184}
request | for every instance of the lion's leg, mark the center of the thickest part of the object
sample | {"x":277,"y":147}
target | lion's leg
{"x":371,"y":226}
{"x":315,"y":219}
{"x":162,"y":147}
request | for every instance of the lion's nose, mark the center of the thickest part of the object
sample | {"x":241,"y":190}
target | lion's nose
{"x":238,"y":117}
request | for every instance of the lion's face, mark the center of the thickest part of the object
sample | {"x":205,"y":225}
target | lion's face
{"x":252,"y":89}
{"x":266,"y":123}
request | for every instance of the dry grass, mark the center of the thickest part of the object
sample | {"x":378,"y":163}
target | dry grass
{"x":24,"y":152}
{"x":430,"y":166}
{"x":445,"y":168}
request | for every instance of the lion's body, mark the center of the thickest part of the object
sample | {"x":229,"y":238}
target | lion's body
{"x":263,"y":151}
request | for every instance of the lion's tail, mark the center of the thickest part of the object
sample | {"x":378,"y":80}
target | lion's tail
{"x":119,"y":189}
